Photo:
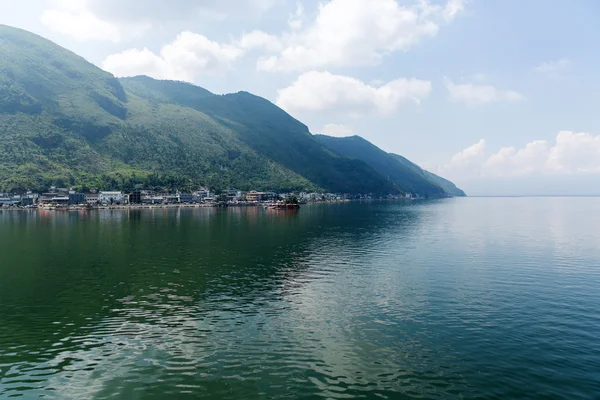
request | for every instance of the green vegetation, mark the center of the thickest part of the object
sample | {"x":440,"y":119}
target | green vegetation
{"x":267,"y":130}
{"x":448,"y":187}
{"x":407,"y":175}
{"x":65,"y":122}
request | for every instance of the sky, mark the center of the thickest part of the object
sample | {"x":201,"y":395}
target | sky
{"x":500,"y":96}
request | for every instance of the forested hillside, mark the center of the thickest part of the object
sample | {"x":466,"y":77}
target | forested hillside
{"x":408,"y":176}
{"x":65,"y":122}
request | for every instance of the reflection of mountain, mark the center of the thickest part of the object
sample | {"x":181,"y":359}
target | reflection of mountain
{"x":140,"y":295}
{"x":97,"y":258}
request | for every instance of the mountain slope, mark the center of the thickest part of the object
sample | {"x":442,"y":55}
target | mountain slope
{"x":448,"y":187}
{"x":38,"y":76}
{"x":65,"y":122}
{"x":272,"y":132}
{"x":73,"y":136}
{"x":407,"y":175}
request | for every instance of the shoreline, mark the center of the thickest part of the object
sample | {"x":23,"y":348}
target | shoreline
{"x":149,"y":206}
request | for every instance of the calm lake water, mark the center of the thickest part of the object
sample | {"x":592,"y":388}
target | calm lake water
{"x":460,"y":298}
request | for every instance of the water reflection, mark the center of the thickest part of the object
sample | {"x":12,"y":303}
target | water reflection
{"x":336,"y":301}
{"x":120,"y":295}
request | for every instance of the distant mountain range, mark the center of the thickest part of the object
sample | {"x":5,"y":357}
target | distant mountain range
{"x":409,"y":177}
{"x":66,"y":122}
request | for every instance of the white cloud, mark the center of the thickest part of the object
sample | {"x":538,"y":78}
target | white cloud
{"x":575,"y":152}
{"x":470,"y":154}
{"x":358,"y":32}
{"x":188,"y":56}
{"x":134,"y":62}
{"x":512,"y":161}
{"x":323,"y":91}
{"x":81,"y":25}
{"x":117,"y":21}
{"x":186,"y":11}
{"x":571,"y":154}
{"x":336,"y":130}
{"x":259,"y":40}
{"x":452,"y":8}
{"x":472,"y":95}
{"x":296,"y":20}
{"x":554,"y":68}
{"x":75,"y":19}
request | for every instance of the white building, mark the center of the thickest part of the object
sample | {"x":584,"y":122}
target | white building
{"x":203,"y":194}
{"x":111,"y":197}
{"x":9,"y":201}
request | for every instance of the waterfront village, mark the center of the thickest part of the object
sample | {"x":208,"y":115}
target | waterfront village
{"x":61,"y":198}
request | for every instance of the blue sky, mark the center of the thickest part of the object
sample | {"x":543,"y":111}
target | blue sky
{"x":501,"y":96}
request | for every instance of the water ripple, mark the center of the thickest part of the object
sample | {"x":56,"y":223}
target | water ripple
{"x":464,"y":298}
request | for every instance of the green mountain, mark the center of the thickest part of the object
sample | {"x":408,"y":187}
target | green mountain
{"x":63,"y":121}
{"x":268,"y":130}
{"x":448,"y":187}
{"x":408,"y":176}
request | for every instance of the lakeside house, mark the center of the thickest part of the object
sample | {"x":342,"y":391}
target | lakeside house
{"x":231,"y":194}
{"x":29,"y":200}
{"x":70,"y":197}
{"x":111,"y":197}
{"x":256,"y":197}
{"x":77,"y":198}
{"x":9,"y":201}
{"x":92,"y":198}
{"x":149,"y":197}
{"x":203,"y":195}
{"x":46,"y":198}
{"x":54,"y":197}
{"x":185,"y":197}
{"x":135,"y":197}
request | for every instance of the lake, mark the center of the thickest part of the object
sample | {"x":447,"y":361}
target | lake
{"x":487,"y":298}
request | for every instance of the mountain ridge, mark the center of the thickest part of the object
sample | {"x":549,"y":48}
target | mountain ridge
{"x":66,"y":122}
{"x":408,"y":176}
